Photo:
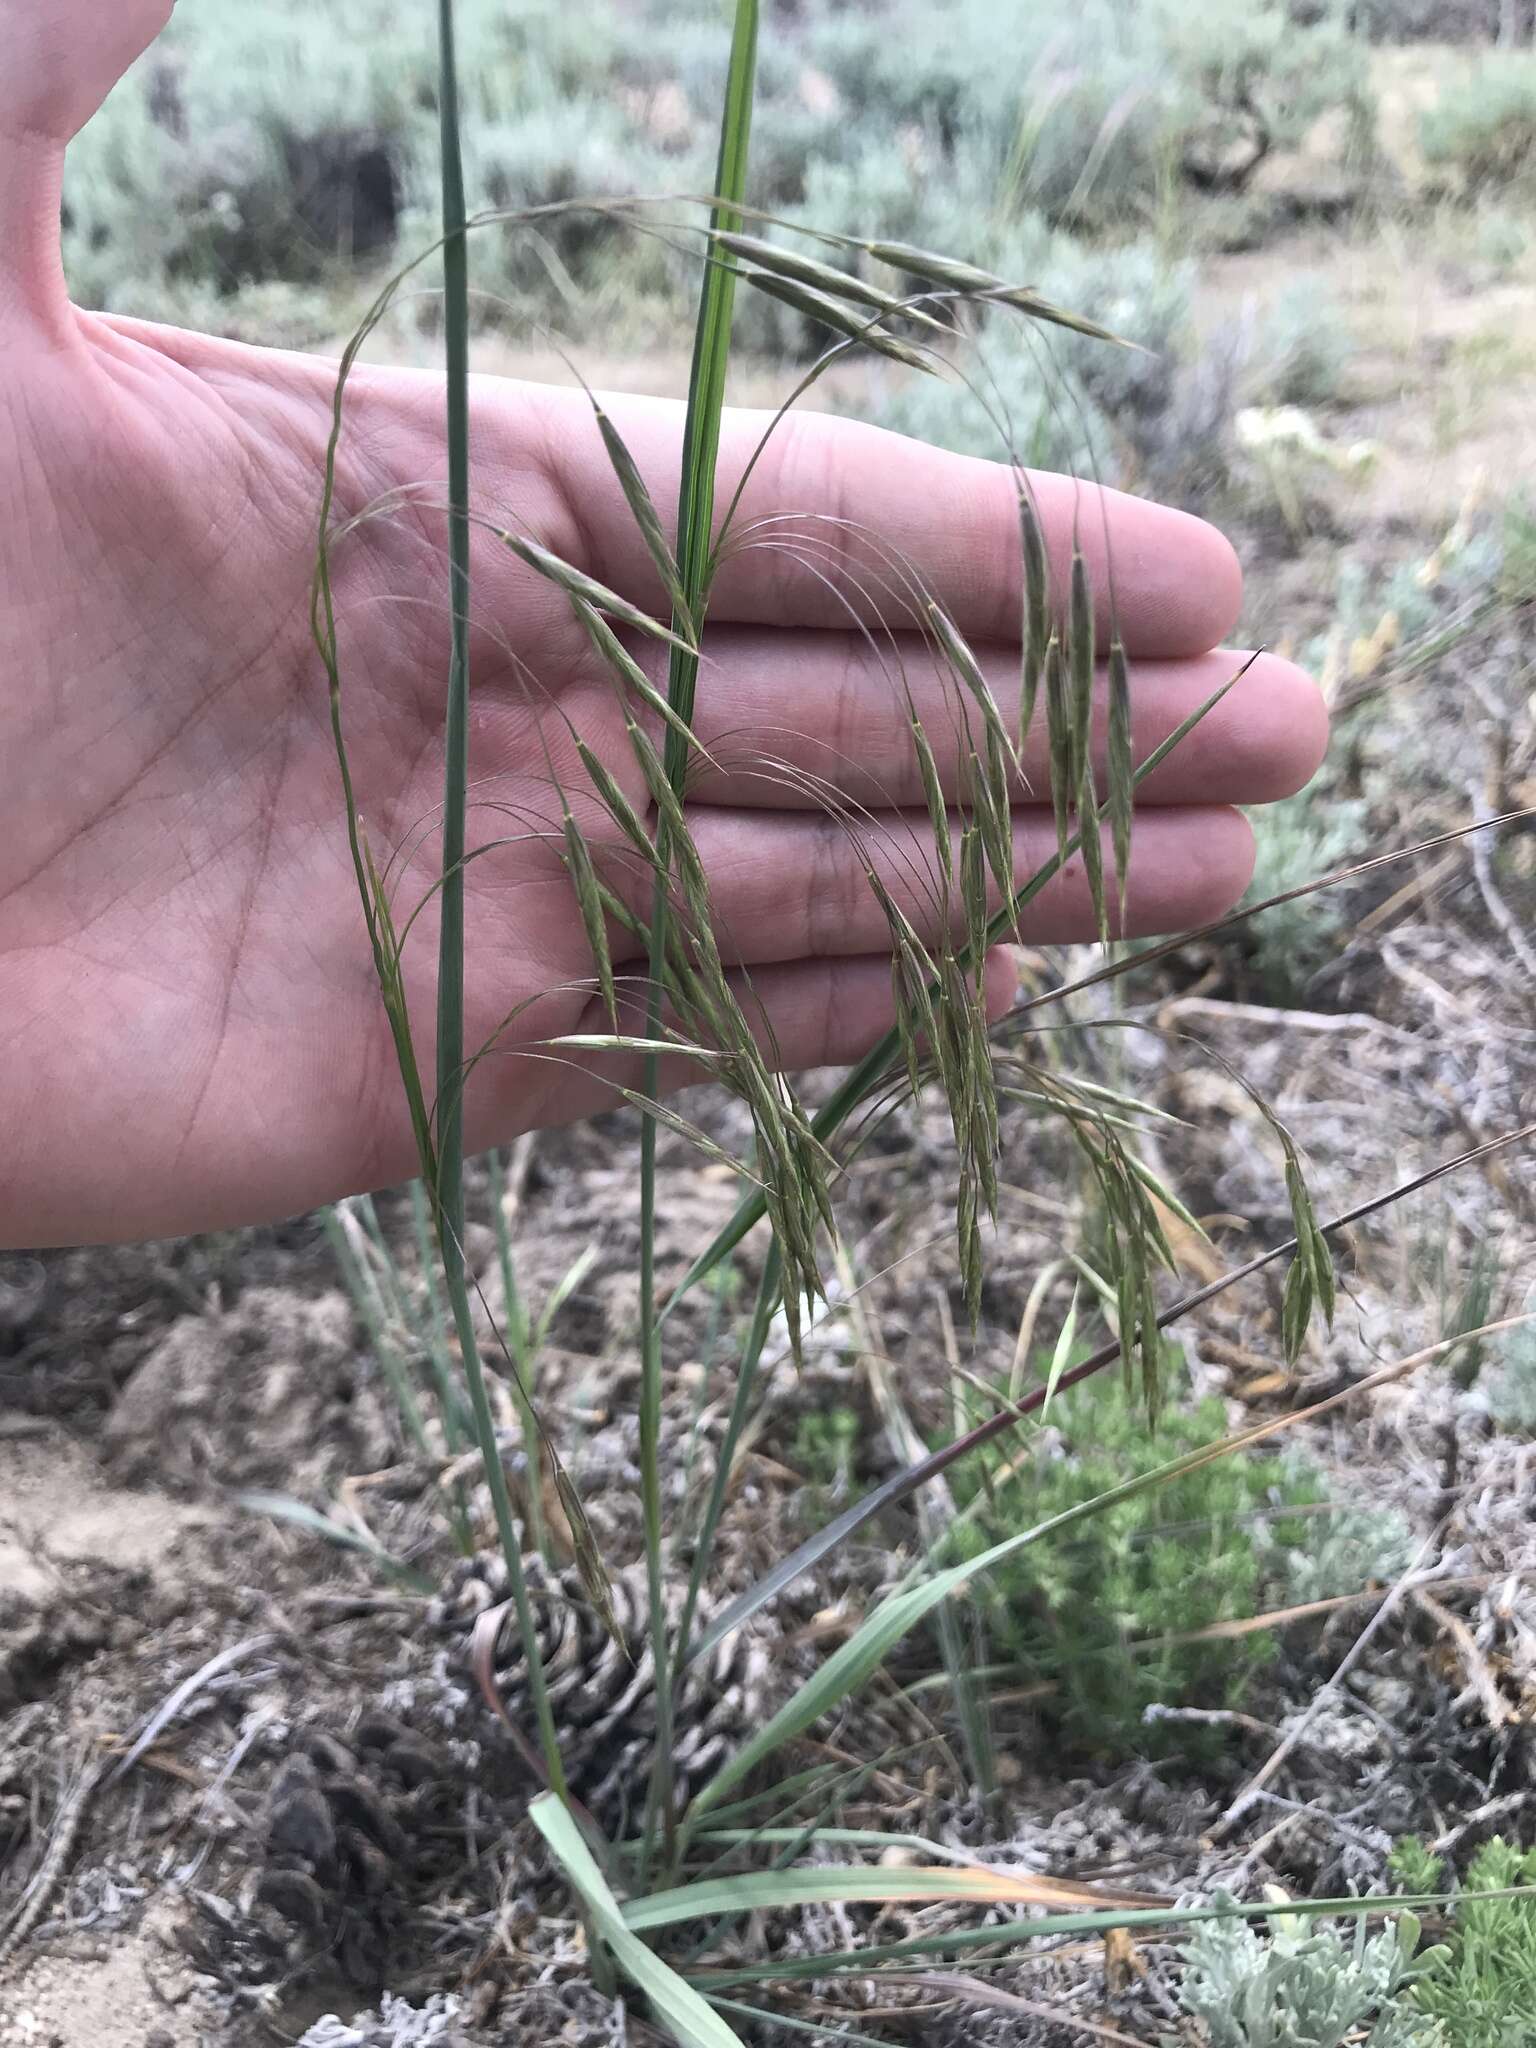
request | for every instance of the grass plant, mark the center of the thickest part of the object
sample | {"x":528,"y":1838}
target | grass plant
{"x":632,"y":1893}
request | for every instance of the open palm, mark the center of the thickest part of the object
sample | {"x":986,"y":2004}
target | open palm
{"x":191,"y":1029}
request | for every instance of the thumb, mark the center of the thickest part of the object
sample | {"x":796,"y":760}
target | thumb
{"x":58,"y":61}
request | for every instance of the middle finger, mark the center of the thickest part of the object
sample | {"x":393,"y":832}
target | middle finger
{"x":833,"y":707}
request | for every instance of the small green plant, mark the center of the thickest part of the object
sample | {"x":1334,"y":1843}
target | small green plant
{"x":1307,"y":344}
{"x":1484,"y":1993}
{"x":1308,"y":1986}
{"x":1297,"y":842}
{"x":823,"y":1451}
{"x":1485,"y":128}
{"x":1109,"y":1618}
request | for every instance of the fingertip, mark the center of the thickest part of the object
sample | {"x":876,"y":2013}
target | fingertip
{"x":1003,"y":978}
{"x":1190,"y":585}
{"x":1291,"y":721}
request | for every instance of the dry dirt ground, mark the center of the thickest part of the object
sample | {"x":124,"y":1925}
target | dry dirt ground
{"x":246,"y":1780}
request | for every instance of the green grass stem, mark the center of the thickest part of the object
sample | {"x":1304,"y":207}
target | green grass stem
{"x":696,"y":506}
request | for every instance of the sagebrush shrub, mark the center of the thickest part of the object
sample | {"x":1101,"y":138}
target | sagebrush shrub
{"x":1305,"y":1986}
{"x":1485,"y":128}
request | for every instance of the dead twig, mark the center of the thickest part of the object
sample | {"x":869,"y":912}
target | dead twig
{"x":1273,"y":1762}
{"x":1480,"y":1678}
{"x":1497,"y":908}
{"x":188,"y":1689}
{"x":975,"y":1991}
{"x":61,"y":1844}
{"x":1491,"y":1812}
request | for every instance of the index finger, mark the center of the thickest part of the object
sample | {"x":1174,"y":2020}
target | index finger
{"x":836,"y":514}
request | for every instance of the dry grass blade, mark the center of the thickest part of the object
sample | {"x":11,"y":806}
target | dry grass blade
{"x":976,"y":1991}
{"x":181,"y":1695}
{"x":483,"y":1642}
{"x":832,"y":1884}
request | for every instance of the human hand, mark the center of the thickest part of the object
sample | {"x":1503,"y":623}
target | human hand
{"x":192,"y":1030}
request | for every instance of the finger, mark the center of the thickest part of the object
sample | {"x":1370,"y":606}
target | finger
{"x":834,"y":707}
{"x":58,"y":61}
{"x":786,"y":887}
{"x":840,"y":517}
{"x":807,"y":1013}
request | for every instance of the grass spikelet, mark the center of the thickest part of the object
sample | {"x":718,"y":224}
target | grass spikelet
{"x":1093,"y":850}
{"x":1000,"y":767}
{"x":938,"y":810}
{"x":947,"y":272}
{"x":617,"y":804}
{"x":803,"y":298}
{"x":1310,"y":1282}
{"x":1080,"y":652}
{"x":669,"y":806}
{"x":912,"y":976}
{"x":968,"y":280}
{"x":825,"y":278}
{"x":626,"y":671}
{"x":647,"y":520}
{"x":1085,"y":796}
{"x":957,"y":653}
{"x":973,"y":882}
{"x":576,"y":584}
{"x":993,"y":825}
{"x":1037,"y":612}
{"x":1058,"y":718}
{"x":578,"y":863}
{"x":1121,"y":797}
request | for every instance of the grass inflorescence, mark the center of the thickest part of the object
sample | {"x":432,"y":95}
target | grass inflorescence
{"x":691,"y":1003}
